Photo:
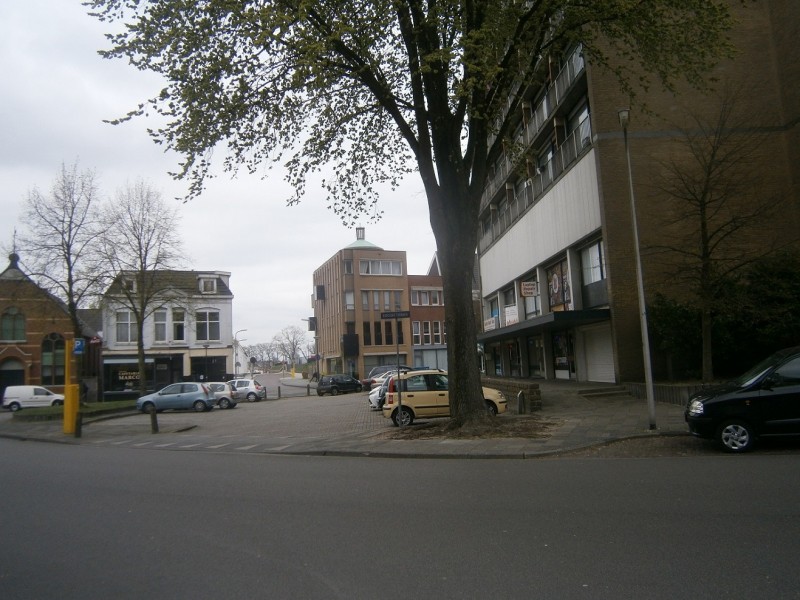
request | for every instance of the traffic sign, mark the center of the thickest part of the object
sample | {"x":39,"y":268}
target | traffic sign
{"x":77,"y":347}
{"x":398,"y":314}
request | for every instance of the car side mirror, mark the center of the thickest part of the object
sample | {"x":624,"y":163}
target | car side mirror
{"x":770,"y":381}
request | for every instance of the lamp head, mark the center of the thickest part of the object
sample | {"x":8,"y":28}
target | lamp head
{"x":624,"y":117}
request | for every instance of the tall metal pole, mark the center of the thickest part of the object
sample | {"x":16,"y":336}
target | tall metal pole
{"x":624,"y":117}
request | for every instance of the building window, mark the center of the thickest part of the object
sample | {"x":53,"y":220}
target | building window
{"x":388,"y":332}
{"x":349,"y":300}
{"x":437,"y":332}
{"x":593,"y":263}
{"x":376,"y":300}
{"x":348,"y":267}
{"x":400,"y":333}
{"x":558,"y":286}
{"x":126,"y":326}
{"x":367,"y":333}
{"x":208,"y":285}
{"x":380,"y":267}
{"x":387,"y":300}
{"x":364,"y":300}
{"x":13,"y":325}
{"x":178,"y":325}
{"x":426,"y":333}
{"x":207,"y":326}
{"x":416,"y":338}
{"x":531,"y":297}
{"x":160,"y":319}
{"x":378,"y":334}
{"x":53,"y":360}
{"x":398,"y":298}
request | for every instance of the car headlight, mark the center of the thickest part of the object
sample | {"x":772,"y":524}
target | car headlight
{"x":695,"y":408}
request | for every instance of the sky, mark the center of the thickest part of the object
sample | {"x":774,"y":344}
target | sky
{"x":55,"y":92}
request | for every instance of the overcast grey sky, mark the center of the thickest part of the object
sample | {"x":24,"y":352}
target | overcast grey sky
{"x":55,"y":93}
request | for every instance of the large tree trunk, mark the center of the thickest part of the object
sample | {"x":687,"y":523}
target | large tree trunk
{"x":454,"y":220}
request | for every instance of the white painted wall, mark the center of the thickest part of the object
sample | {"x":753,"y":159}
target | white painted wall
{"x":567,"y":213}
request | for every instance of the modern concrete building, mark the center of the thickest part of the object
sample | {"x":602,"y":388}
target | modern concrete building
{"x":556,"y":246}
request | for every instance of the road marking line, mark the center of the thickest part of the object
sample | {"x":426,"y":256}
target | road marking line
{"x":246,"y":447}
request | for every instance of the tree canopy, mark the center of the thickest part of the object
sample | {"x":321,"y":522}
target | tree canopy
{"x":375,"y":89}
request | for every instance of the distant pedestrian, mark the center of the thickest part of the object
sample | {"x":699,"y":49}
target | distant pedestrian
{"x":315,"y":376}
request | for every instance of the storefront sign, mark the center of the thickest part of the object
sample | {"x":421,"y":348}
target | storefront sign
{"x":529,"y":288}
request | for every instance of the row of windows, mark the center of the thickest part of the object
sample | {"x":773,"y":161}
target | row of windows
{"x":206,"y":285}
{"x":380,"y":267}
{"x":427,"y":298}
{"x":559,"y":291}
{"x":207,"y":326}
{"x":425,"y":333}
{"x":380,"y":333}
{"x":379,"y":299}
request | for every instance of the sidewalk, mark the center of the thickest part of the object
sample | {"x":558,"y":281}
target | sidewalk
{"x":345,"y":426}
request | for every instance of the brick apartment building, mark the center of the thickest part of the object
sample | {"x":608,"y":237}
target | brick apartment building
{"x":351,"y":290}
{"x":36,"y":333}
{"x":556,"y":246}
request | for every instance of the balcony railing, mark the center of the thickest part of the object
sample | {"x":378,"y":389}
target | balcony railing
{"x":573,"y":147}
{"x":541,"y":114}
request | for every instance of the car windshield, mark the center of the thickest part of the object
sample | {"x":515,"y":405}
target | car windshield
{"x":757,"y":371}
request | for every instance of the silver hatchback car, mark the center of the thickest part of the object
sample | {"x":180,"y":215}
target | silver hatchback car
{"x":176,"y":396}
{"x":249,"y":389}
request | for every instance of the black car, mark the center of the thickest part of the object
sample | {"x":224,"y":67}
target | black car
{"x":765,"y":401}
{"x":334,"y":384}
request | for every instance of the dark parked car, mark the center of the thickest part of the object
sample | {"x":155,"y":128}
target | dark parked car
{"x":765,"y":401}
{"x":335,"y":384}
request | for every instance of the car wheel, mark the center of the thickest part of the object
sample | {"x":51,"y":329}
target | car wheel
{"x":224,"y":403}
{"x":736,"y":436}
{"x":14,"y":406}
{"x":334,"y":391}
{"x":359,"y":388}
{"x":491,"y":408}
{"x":57,"y":403}
{"x":251,"y":397}
{"x":199,"y":406}
{"x":148,"y":407}
{"x":403,"y":417}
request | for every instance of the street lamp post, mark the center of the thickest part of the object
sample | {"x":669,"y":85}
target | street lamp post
{"x":624,"y":118}
{"x":236,"y":352}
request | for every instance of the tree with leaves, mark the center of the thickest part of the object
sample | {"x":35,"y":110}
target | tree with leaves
{"x":720,"y":212}
{"x":374,"y":90}
{"x":59,"y":240}
{"x":139,"y":246}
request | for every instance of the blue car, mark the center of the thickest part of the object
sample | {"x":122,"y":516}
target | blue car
{"x":177,"y":396}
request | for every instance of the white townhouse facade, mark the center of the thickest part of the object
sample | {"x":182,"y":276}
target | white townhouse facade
{"x":187,"y":332}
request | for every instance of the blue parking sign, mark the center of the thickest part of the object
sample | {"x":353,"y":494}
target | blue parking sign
{"x":77,"y":347}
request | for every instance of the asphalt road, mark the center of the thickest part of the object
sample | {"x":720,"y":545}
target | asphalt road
{"x":113,"y":522}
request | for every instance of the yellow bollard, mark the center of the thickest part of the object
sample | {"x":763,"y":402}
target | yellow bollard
{"x":72,"y":401}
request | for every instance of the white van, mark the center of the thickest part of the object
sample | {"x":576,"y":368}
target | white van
{"x":29,"y":396}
